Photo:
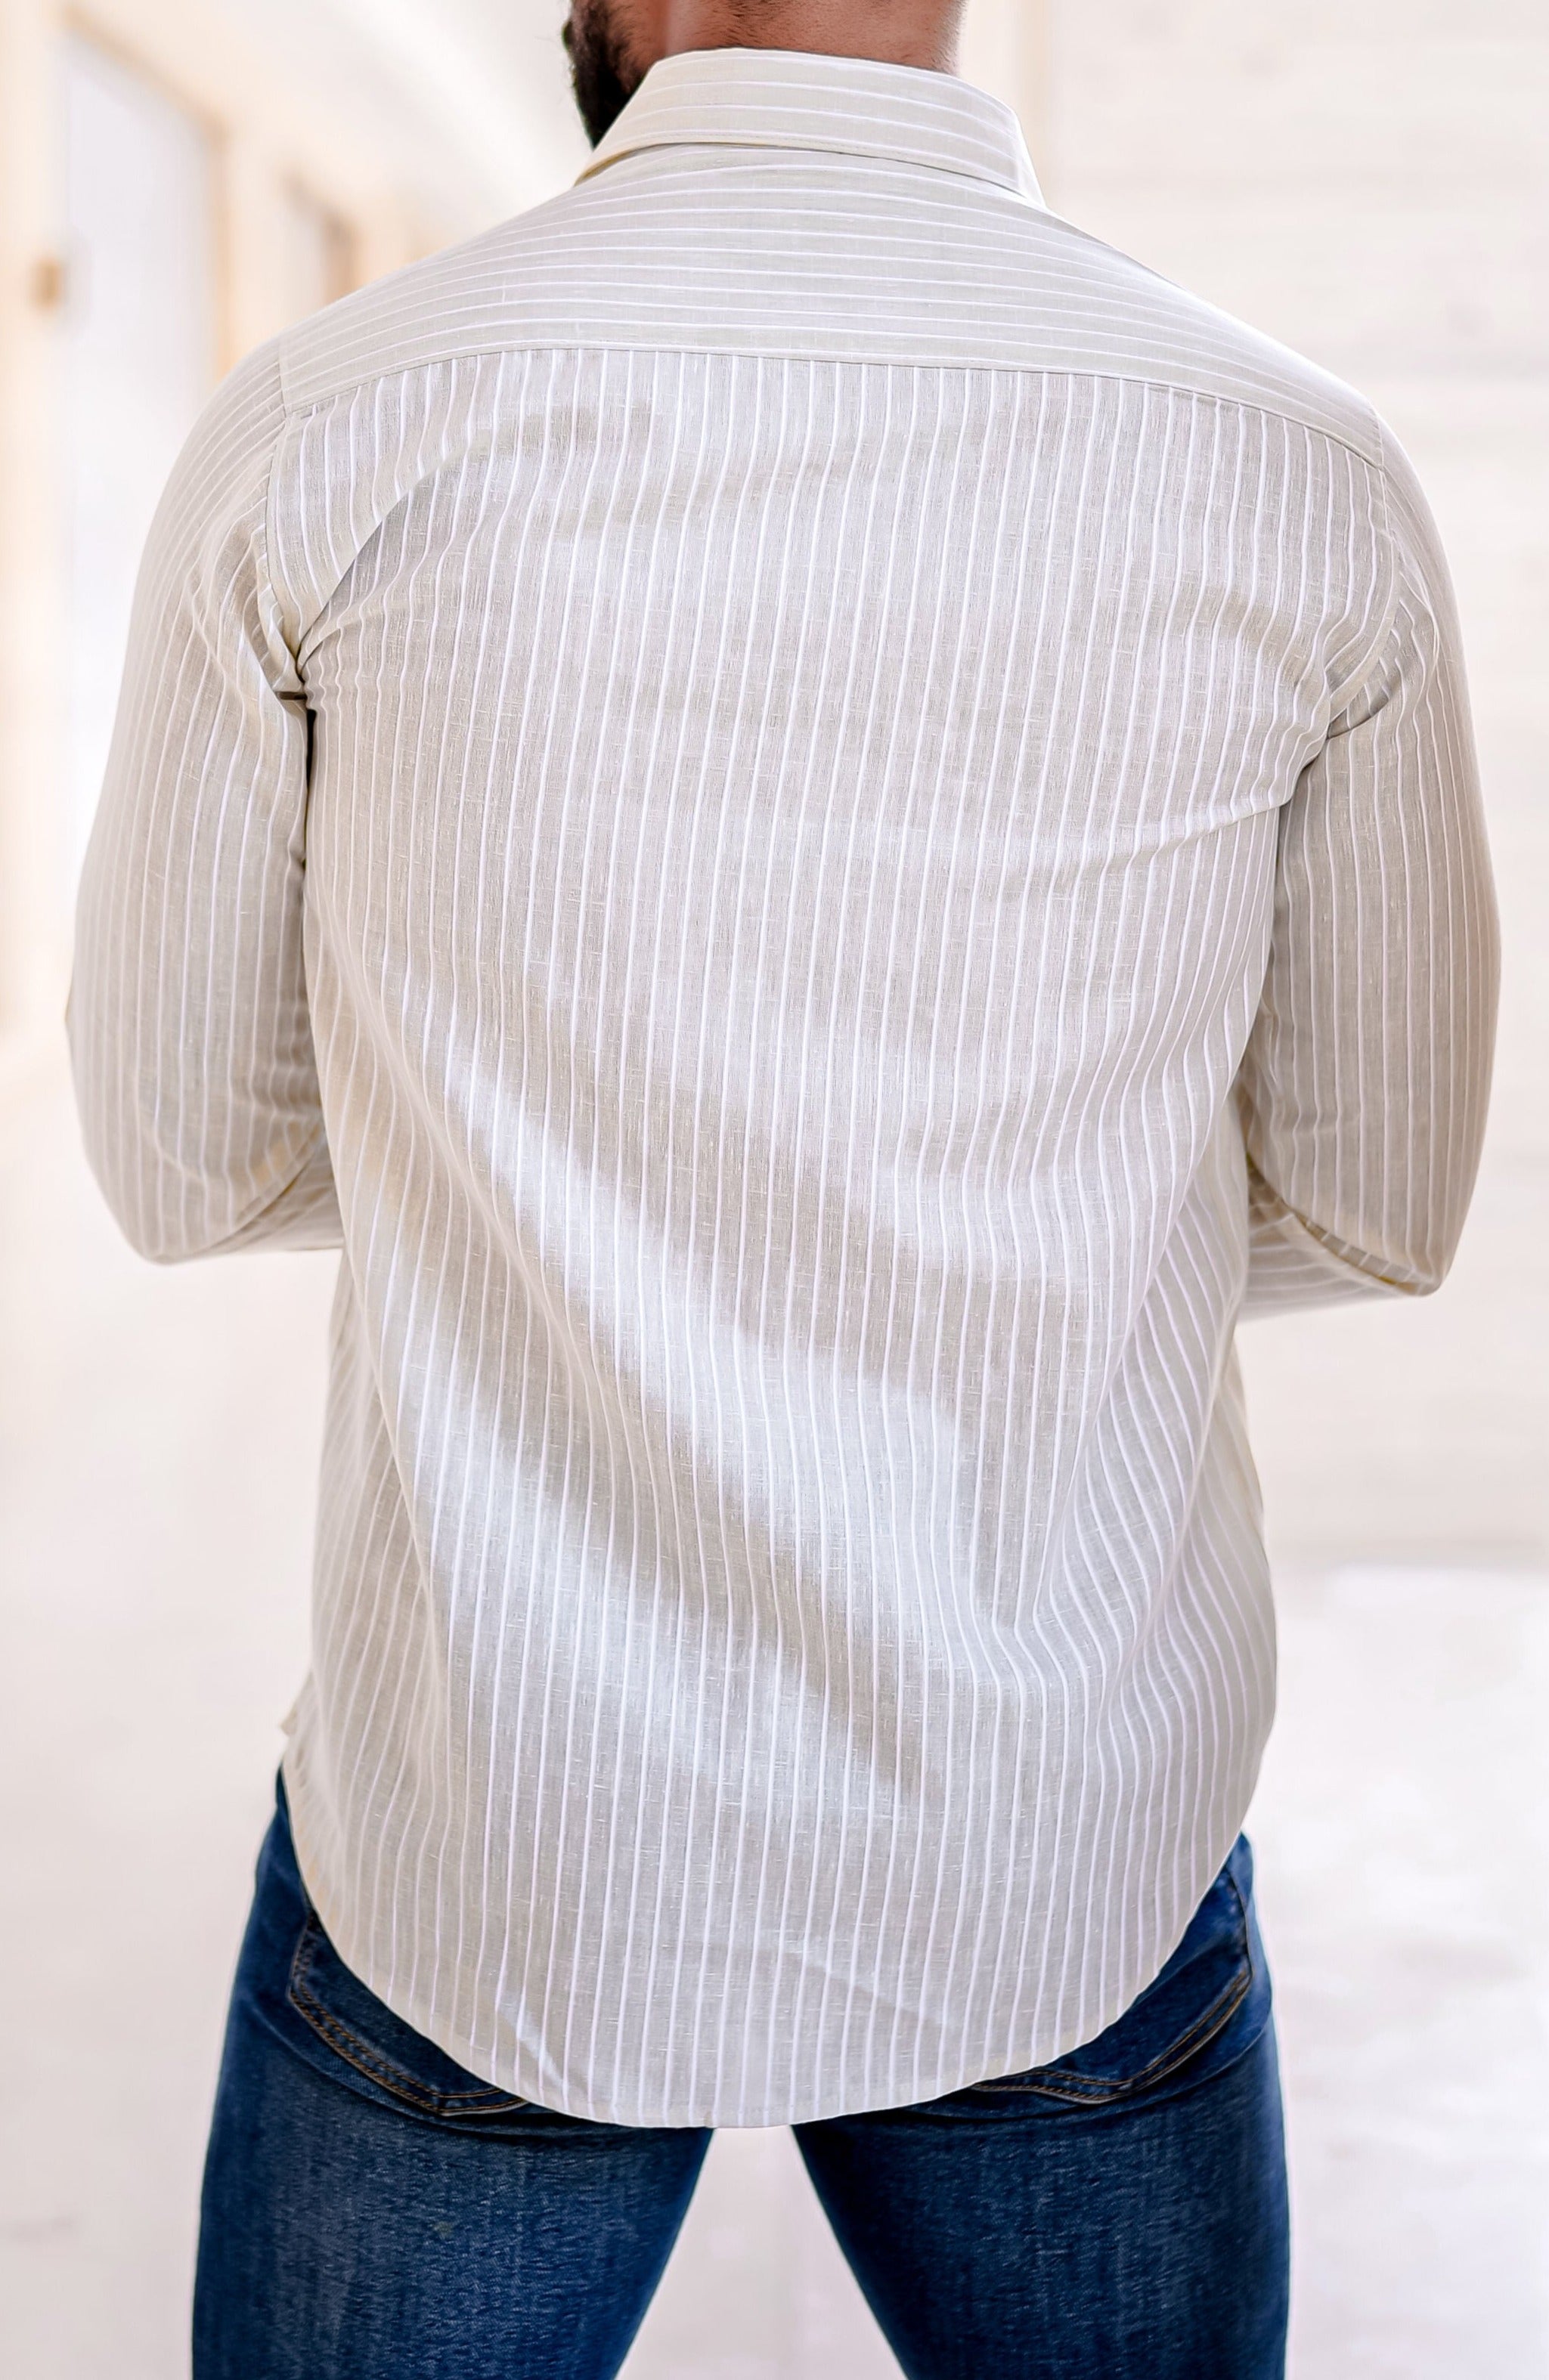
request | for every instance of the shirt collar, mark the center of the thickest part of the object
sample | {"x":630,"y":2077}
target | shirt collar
{"x":791,"y":99}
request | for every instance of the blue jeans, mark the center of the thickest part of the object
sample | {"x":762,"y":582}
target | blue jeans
{"x":374,"y":2211}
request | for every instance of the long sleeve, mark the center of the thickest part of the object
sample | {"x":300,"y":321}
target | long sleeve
{"x":1366,"y":1079}
{"x":189,"y":1024}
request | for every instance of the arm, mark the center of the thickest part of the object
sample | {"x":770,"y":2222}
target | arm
{"x":1363,"y":1089}
{"x":189,"y":1025}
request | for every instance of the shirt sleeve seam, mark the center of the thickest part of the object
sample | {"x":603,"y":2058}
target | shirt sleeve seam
{"x":281,"y":611}
{"x":1344,"y":695}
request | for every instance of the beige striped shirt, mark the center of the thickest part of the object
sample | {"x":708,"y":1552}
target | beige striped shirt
{"x":816,"y":820}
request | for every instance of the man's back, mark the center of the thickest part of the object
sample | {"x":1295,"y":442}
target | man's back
{"x":836,"y":750}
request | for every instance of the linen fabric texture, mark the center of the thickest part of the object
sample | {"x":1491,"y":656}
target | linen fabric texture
{"x":821,"y":825}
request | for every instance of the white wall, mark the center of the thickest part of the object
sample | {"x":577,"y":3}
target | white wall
{"x":140,"y":357}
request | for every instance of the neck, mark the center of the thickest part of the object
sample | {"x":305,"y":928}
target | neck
{"x":900,"y":33}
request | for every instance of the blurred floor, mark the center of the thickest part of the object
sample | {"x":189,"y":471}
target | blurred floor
{"x":158,"y":1433}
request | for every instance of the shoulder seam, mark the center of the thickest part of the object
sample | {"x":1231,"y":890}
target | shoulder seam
{"x":1346,"y":695}
{"x":1271,"y":412}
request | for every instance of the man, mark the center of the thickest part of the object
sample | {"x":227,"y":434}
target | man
{"x":821,"y":824}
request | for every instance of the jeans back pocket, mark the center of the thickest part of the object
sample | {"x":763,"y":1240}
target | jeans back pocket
{"x":1216,"y":1974}
{"x":363,"y":2030}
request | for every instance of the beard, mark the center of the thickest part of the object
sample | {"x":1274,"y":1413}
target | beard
{"x":604,"y":79}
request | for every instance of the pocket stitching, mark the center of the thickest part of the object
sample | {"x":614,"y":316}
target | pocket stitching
{"x":1081,"y":2089}
{"x":373,"y":2063}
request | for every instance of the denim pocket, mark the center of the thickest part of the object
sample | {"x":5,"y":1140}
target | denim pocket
{"x":364,"y":2032}
{"x":292,"y":1983}
{"x":1208,"y":1982}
